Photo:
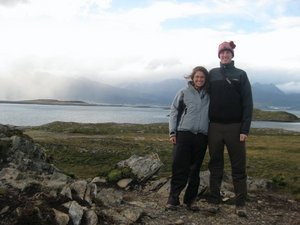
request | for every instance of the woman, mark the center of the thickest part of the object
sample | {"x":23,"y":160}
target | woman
{"x":188,"y":126}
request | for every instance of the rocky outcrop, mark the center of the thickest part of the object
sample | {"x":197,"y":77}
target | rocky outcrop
{"x":33,"y":191}
{"x":36,"y":192}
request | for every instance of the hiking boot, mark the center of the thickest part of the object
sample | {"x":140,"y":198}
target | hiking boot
{"x":192,"y":206}
{"x":171,"y":207}
{"x":213,"y":208}
{"x":241,"y":211}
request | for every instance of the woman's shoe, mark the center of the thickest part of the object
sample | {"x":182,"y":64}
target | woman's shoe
{"x":171,"y":207}
{"x":241,"y":211}
{"x":213,"y":208}
{"x":193,"y":207}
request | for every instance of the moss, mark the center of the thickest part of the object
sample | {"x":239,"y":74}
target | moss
{"x":119,"y":173}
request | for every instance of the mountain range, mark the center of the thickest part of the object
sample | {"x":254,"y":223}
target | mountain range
{"x":265,"y":96}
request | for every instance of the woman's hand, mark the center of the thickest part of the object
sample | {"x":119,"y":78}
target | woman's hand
{"x":173,"y":140}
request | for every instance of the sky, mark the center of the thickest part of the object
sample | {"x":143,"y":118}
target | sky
{"x":119,"y":41}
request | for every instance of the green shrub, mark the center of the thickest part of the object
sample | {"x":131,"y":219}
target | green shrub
{"x":279,"y":181}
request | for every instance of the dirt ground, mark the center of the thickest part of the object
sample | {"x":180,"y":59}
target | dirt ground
{"x":263,"y":208}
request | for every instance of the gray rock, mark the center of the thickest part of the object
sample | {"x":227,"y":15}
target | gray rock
{"x":90,"y":193}
{"x":156,"y":185}
{"x":109,"y":197}
{"x":66,"y":192}
{"x":57,"y":181}
{"x":123,"y":183}
{"x":61,"y":218}
{"x":165,"y":189}
{"x":114,"y":216}
{"x":4,"y":210}
{"x":99,"y":181}
{"x":258,"y":184}
{"x":78,"y":189}
{"x":75,"y":212}
{"x":91,"y":217}
{"x":124,"y":215}
{"x":142,"y":167}
{"x":132,"y":214}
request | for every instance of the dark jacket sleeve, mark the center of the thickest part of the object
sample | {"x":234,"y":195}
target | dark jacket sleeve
{"x":247,"y":105}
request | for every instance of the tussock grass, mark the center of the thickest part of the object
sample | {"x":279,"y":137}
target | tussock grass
{"x":89,"y":150}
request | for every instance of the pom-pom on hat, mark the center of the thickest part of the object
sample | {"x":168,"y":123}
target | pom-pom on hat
{"x":226,"y":46}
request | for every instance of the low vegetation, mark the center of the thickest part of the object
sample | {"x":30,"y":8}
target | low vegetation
{"x":89,"y":150}
{"x":279,"y":116}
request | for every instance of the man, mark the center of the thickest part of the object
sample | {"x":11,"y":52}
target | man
{"x":230,"y":115}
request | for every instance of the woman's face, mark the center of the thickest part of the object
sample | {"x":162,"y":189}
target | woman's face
{"x":225,"y":56}
{"x":199,"y":79}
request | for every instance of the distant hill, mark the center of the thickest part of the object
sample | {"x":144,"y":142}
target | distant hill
{"x":164,"y":91}
{"x":96,"y":92}
{"x":268,"y":96}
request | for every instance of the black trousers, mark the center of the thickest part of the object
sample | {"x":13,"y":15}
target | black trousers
{"x":188,"y":155}
{"x":220,"y":135}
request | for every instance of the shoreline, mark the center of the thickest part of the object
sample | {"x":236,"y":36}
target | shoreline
{"x":255,"y":128}
{"x":77,"y":103}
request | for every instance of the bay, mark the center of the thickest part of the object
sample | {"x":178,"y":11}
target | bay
{"x":35,"y":115}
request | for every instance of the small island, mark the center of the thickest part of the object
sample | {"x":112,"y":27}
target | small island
{"x":274,"y":116}
{"x":49,"y":102}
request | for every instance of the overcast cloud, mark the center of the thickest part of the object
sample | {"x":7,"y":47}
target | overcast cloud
{"x":114,"y":41}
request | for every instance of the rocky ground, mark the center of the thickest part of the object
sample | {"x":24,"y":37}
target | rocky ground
{"x":35,"y":192}
{"x":263,"y":208}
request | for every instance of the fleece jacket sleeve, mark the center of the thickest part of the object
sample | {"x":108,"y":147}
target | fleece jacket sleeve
{"x":174,"y":113}
{"x":247,"y":105}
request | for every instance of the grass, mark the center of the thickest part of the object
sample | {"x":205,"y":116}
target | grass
{"x":276,"y":157}
{"x":89,"y":150}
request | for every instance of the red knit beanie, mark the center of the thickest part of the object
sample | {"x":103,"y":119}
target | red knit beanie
{"x":226,"y":46}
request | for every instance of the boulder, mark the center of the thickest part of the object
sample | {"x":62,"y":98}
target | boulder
{"x":142,"y":167}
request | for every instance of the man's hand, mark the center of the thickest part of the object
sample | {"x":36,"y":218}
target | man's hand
{"x":243,"y":137}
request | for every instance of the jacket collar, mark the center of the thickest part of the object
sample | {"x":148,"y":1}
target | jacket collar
{"x":191,"y":86}
{"x":227,"y":66}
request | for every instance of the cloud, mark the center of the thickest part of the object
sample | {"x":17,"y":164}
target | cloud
{"x":155,"y":40}
{"x":36,"y":85}
{"x":285,"y":22}
{"x":12,"y":2}
{"x":289,"y":87}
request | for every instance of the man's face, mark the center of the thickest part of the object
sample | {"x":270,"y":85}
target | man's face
{"x":225,"y":56}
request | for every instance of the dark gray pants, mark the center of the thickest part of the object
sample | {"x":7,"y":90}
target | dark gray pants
{"x":188,"y":155}
{"x":220,"y":135}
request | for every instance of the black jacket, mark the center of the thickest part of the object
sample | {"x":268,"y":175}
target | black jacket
{"x":230,"y":96}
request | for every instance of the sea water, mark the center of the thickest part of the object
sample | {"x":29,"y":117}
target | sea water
{"x":35,"y":114}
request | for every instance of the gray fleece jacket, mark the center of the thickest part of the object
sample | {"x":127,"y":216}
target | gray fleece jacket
{"x":189,"y":111}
